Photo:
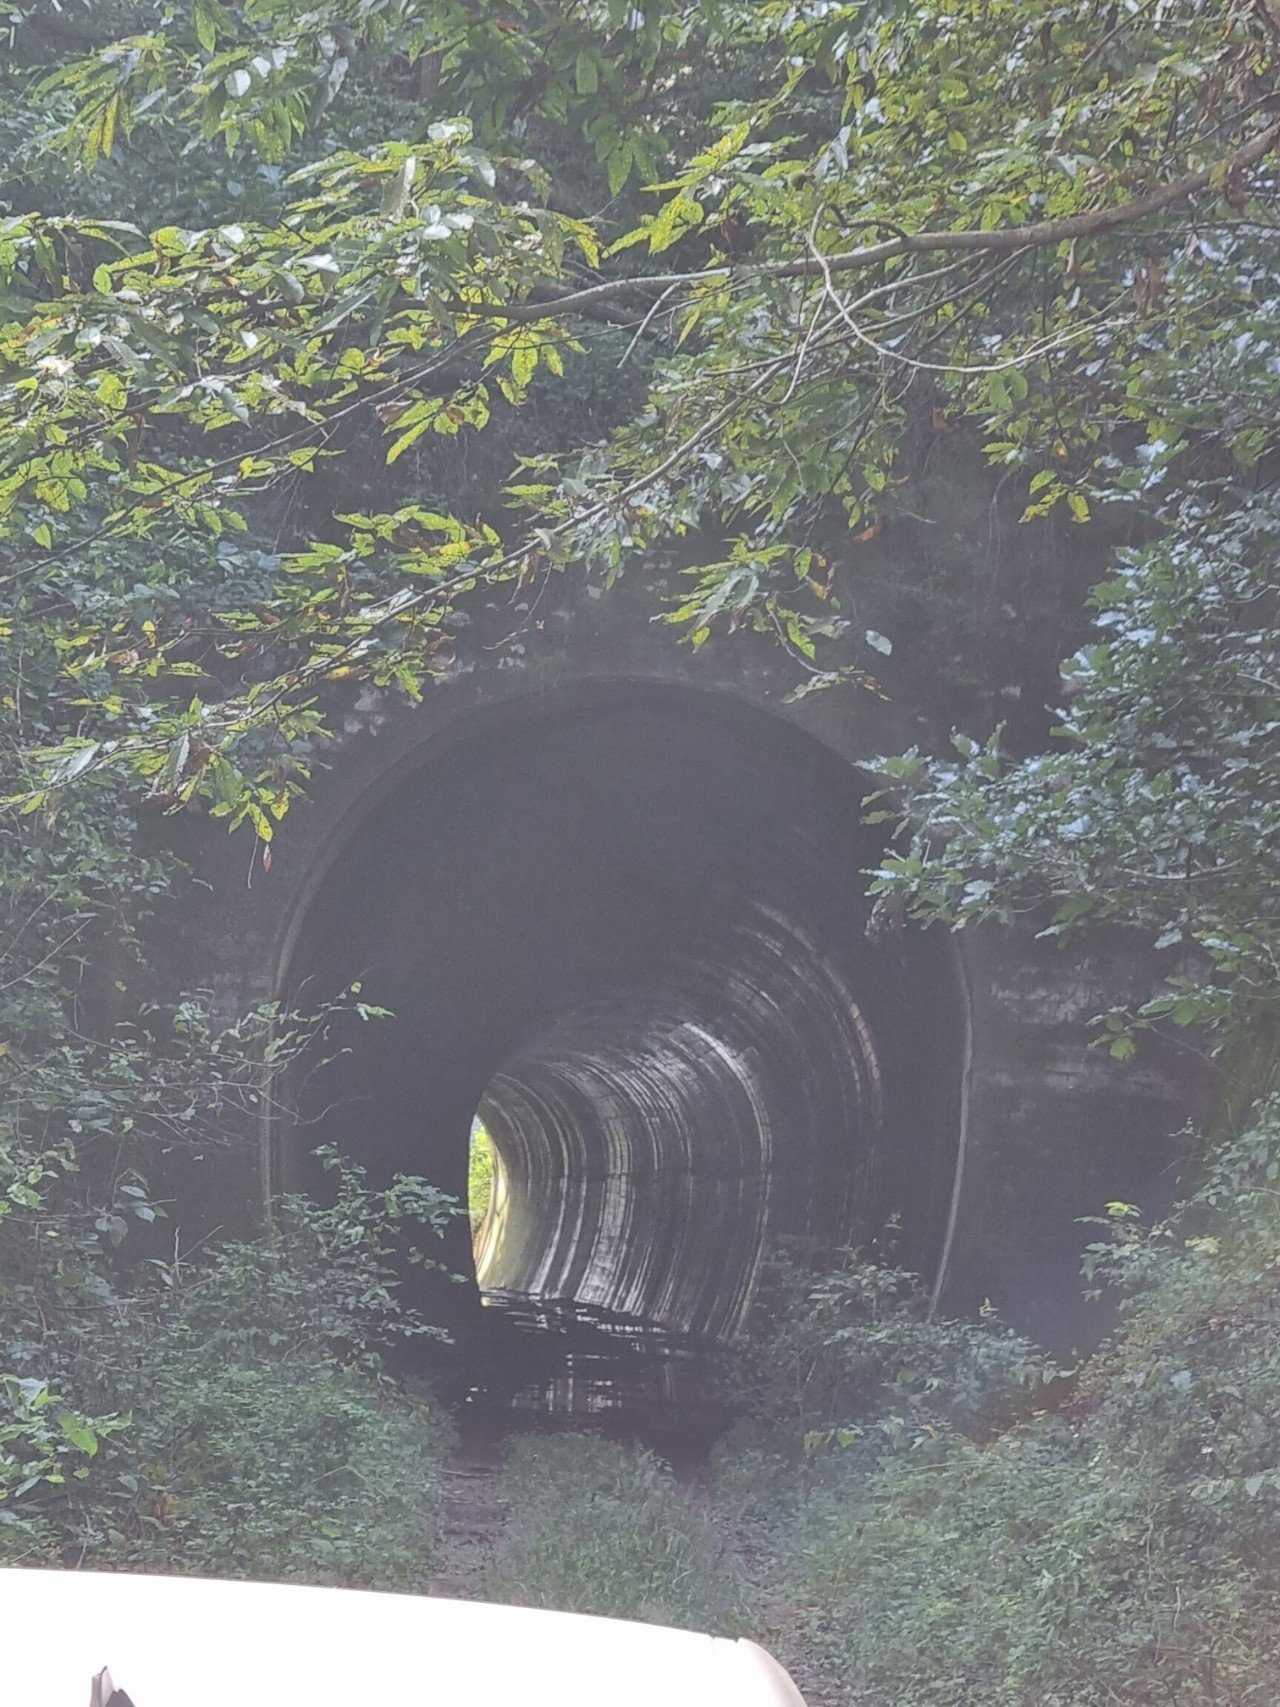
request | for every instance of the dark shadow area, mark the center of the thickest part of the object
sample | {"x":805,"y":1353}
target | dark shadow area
{"x":627,"y":926}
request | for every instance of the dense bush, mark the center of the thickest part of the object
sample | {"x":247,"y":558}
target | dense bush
{"x":253,"y":1429}
{"x":278,"y":1472}
{"x":848,"y":1360}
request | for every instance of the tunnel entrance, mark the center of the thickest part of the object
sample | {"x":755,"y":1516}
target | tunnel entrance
{"x":623,"y":928}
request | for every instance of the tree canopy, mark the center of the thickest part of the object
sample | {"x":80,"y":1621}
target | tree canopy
{"x":829,"y":234}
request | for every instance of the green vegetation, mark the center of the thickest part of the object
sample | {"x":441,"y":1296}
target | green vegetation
{"x":595,"y":1527}
{"x":730,"y":297}
{"x":1120,"y":1543}
{"x":479,"y":1174}
{"x":1160,"y":802}
{"x":247,"y":239}
{"x":932,"y":1513}
{"x":241,"y":1420}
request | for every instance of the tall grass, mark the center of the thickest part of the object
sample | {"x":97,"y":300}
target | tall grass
{"x":593,"y":1526}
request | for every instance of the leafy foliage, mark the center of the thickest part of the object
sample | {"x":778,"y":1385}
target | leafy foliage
{"x":312,"y":1475}
{"x":872,"y":270}
{"x":872,"y":254}
{"x":1159,"y":806}
{"x":851,"y":1355}
{"x":243,"y":1424}
{"x":837,"y":264}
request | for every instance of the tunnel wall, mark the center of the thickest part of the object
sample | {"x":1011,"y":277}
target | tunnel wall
{"x":629,"y":927}
{"x":648,"y":1151}
{"x":1001,"y":1124}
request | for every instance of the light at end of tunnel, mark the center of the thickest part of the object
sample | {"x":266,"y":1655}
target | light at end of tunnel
{"x":486,"y":1196}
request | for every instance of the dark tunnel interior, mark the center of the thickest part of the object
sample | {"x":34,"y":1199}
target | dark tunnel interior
{"x":627,"y":926}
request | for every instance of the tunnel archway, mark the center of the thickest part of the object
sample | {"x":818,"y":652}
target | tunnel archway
{"x":625,"y":923}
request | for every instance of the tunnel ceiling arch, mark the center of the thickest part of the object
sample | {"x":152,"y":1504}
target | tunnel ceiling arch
{"x":628,"y":922}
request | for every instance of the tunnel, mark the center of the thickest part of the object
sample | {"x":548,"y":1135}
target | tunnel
{"x":626,"y":925}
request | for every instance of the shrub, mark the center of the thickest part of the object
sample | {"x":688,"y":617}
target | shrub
{"x":852,"y":1352}
{"x":280,"y":1472}
{"x":240,"y":1418}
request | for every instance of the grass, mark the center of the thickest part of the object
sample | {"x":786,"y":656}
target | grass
{"x":597,"y":1527}
{"x":934,"y":1517}
{"x":1119,"y":1541}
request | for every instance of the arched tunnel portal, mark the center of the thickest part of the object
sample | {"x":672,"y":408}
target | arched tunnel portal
{"x":628,"y":925}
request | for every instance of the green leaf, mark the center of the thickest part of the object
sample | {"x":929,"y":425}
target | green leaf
{"x":409,"y":437}
{"x":78,"y":1433}
{"x":618,"y":166}
{"x":109,"y":124}
{"x":681,"y":214}
{"x":524,"y":361}
{"x":206,"y":25}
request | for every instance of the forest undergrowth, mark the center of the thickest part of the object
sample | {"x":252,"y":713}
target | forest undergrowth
{"x":912,"y":1510}
{"x":936,"y":1513}
{"x":909,"y":1509}
{"x":234,"y":1414}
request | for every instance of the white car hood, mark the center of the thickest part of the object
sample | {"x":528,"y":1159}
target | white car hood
{"x":187,"y":1642}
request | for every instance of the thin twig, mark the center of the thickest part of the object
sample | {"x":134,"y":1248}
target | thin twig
{"x":644,"y":325}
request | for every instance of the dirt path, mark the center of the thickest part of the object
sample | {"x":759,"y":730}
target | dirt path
{"x":472,"y":1519}
{"x":782,"y":1633}
{"x":775,"y":1624}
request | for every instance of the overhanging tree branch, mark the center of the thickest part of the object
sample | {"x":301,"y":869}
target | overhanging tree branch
{"x":1003,"y":241}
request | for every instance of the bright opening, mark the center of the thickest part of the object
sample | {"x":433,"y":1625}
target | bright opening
{"x":479,"y":1177}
